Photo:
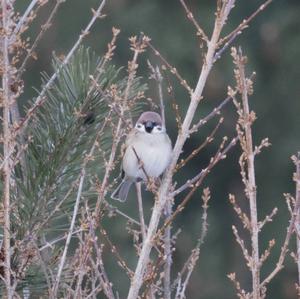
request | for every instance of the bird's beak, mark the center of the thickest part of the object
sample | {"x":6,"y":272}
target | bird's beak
{"x":149,"y":126}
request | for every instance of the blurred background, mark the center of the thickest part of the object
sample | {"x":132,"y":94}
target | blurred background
{"x":272,"y":44}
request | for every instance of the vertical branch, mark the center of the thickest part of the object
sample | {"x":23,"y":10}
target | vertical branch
{"x":250,"y":184}
{"x":297,"y":224}
{"x":70,"y":233}
{"x":284,"y":249}
{"x":160,"y":95}
{"x":163,"y":193}
{"x":141,"y":211}
{"x":73,"y":220}
{"x":142,"y":223}
{"x":194,"y":256}
{"x":7,"y":139}
{"x":167,"y":253}
{"x":156,"y":75}
{"x":132,"y":66}
{"x":137,"y":45}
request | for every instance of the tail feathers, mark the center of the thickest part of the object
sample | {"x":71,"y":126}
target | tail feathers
{"x":122,"y":190}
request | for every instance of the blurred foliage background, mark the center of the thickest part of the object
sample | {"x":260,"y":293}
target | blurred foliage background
{"x":272,"y":44}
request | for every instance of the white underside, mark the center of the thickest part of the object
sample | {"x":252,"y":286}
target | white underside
{"x":154,"y":150}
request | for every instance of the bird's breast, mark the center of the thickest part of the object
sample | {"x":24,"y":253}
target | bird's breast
{"x":153,"y":151}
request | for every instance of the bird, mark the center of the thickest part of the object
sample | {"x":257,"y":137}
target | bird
{"x":148,"y":151}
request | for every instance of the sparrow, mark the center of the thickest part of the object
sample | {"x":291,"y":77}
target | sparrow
{"x":147,"y":153}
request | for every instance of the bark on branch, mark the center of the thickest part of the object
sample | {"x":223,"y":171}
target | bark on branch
{"x":163,"y":193}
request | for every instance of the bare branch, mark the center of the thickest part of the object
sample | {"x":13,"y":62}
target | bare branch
{"x":44,"y":28}
{"x":7,"y":148}
{"x":244,"y":24}
{"x":172,"y":69}
{"x":41,"y":98}
{"x":72,"y":224}
{"x":268,"y":218}
{"x":24,"y":16}
{"x":156,"y":75}
{"x":190,"y":16}
{"x":68,"y":240}
{"x":218,"y":156}
{"x":141,"y":164}
{"x":196,"y":151}
{"x":248,"y":154}
{"x":137,"y":48}
{"x":241,"y":242}
{"x":297,"y":224}
{"x":194,"y":256}
{"x":167,"y":252}
{"x":267,"y":252}
{"x":213,"y":113}
{"x":141,"y":211}
{"x":243,"y":217}
{"x":112,"y":209}
{"x":284,"y":249}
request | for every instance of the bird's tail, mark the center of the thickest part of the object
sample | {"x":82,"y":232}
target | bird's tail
{"x":122,"y":190}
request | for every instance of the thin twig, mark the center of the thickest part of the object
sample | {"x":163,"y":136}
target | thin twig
{"x":194,"y":256}
{"x":44,"y":28}
{"x":70,"y":233}
{"x":244,"y":24}
{"x":167,"y":253}
{"x":251,"y":184}
{"x":284,"y":248}
{"x":74,"y":216}
{"x":53,"y":242}
{"x":117,"y":211}
{"x":291,"y":228}
{"x":197,"y":150}
{"x":41,"y":97}
{"x":141,"y":211}
{"x":226,"y":46}
{"x":23,"y":19}
{"x":297,"y":224}
{"x":98,"y":248}
{"x":175,"y":106}
{"x":132,"y":65}
{"x":213,"y":113}
{"x":241,"y":242}
{"x":194,"y":183}
{"x":142,"y":221}
{"x":141,"y":164}
{"x":92,"y":238}
{"x":218,"y":156}
{"x":160,"y":95}
{"x":163,"y":193}
{"x":137,"y":46}
{"x":7,"y":147}
{"x":156,"y":75}
{"x":114,"y":250}
{"x":172,"y":69}
{"x":190,"y":16}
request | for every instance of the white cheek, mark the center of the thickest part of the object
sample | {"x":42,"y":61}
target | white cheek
{"x":157,"y":131}
{"x":140,"y":128}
